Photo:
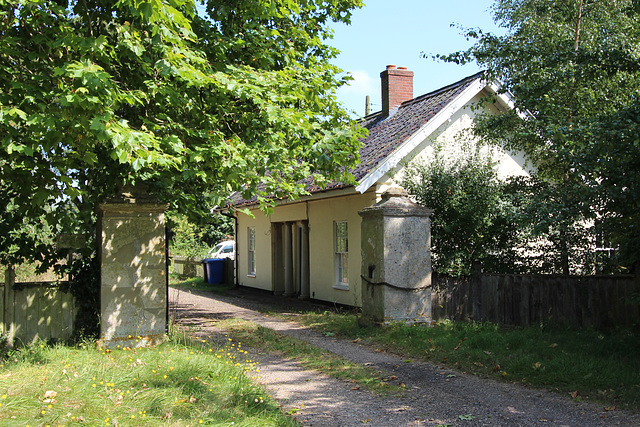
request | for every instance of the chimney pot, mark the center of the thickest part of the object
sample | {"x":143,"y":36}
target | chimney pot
{"x":391,"y":67}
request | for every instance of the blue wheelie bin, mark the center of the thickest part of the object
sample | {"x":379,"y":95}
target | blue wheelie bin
{"x":214,"y":270}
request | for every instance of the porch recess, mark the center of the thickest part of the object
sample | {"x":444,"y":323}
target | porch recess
{"x":290,"y":246}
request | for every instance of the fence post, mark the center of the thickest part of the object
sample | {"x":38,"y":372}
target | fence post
{"x":7,"y":312}
{"x":4,"y":284}
{"x":476,"y":289}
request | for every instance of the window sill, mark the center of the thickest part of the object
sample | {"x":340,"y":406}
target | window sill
{"x":341,"y":287}
{"x":251,"y":275}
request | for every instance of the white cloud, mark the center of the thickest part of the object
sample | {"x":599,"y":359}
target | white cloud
{"x":362,"y":84}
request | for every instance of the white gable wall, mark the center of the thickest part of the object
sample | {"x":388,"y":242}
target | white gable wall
{"x":452,"y":136}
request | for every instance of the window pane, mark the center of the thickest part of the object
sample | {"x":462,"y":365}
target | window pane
{"x":252,"y":239}
{"x":344,"y":268}
{"x":341,"y":237}
{"x":251,"y":250}
{"x":341,"y":242}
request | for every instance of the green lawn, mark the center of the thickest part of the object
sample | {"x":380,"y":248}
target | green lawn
{"x":175,"y":384}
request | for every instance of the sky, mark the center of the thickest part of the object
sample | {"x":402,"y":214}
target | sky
{"x":396,"y":32}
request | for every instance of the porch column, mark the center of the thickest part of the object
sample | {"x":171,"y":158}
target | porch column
{"x":278,"y":259}
{"x":396,"y":260}
{"x":305,"y":289}
{"x":133,"y":295}
{"x":288,"y":260}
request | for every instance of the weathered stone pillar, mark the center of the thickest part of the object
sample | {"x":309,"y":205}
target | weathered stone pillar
{"x":133,"y":269}
{"x":396,"y":260}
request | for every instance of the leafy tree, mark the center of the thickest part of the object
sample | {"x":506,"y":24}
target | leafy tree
{"x":520,"y":224}
{"x":95,"y":94}
{"x":20,"y":237}
{"x":473,"y":220}
{"x":616,"y":177}
{"x":186,"y":239}
{"x":573,"y":69}
{"x":192,"y":239}
{"x":554,"y":233}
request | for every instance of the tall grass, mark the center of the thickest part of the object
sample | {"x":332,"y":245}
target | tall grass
{"x":174,"y":384}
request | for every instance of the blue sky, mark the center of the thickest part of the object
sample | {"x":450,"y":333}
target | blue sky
{"x":396,"y":32}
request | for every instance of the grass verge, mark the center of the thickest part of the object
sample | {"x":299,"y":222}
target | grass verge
{"x":197,"y":284}
{"x":309,"y":356}
{"x":586,"y":364}
{"x":174,"y":384}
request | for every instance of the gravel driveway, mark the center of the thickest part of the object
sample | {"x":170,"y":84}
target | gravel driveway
{"x":435,"y":395}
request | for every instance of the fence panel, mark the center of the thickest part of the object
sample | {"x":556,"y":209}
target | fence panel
{"x":591,"y":301}
{"x":36,"y":311}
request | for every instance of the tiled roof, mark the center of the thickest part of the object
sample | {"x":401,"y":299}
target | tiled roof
{"x":386,"y":134}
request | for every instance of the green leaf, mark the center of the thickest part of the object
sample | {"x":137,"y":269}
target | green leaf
{"x":17,"y":112}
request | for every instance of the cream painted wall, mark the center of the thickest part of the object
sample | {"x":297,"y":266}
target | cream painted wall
{"x":289,"y":212}
{"x":262,"y":278}
{"x":322,"y":214}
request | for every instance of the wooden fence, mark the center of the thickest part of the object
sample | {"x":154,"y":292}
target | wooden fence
{"x":590,"y":301}
{"x":35,"y":311}
{"x":193,"y":267}
{"x":600,"y":302}
{"x":187,"y":267}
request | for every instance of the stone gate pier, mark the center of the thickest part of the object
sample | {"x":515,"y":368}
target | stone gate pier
{"x":133,"y":269}
{"x":396,"y":260}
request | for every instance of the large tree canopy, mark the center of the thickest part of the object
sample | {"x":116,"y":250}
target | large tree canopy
{"x":98,"y":93}
{"x":573,"y":67}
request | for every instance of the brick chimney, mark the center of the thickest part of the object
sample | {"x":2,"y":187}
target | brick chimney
{"x":397,"y":87}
